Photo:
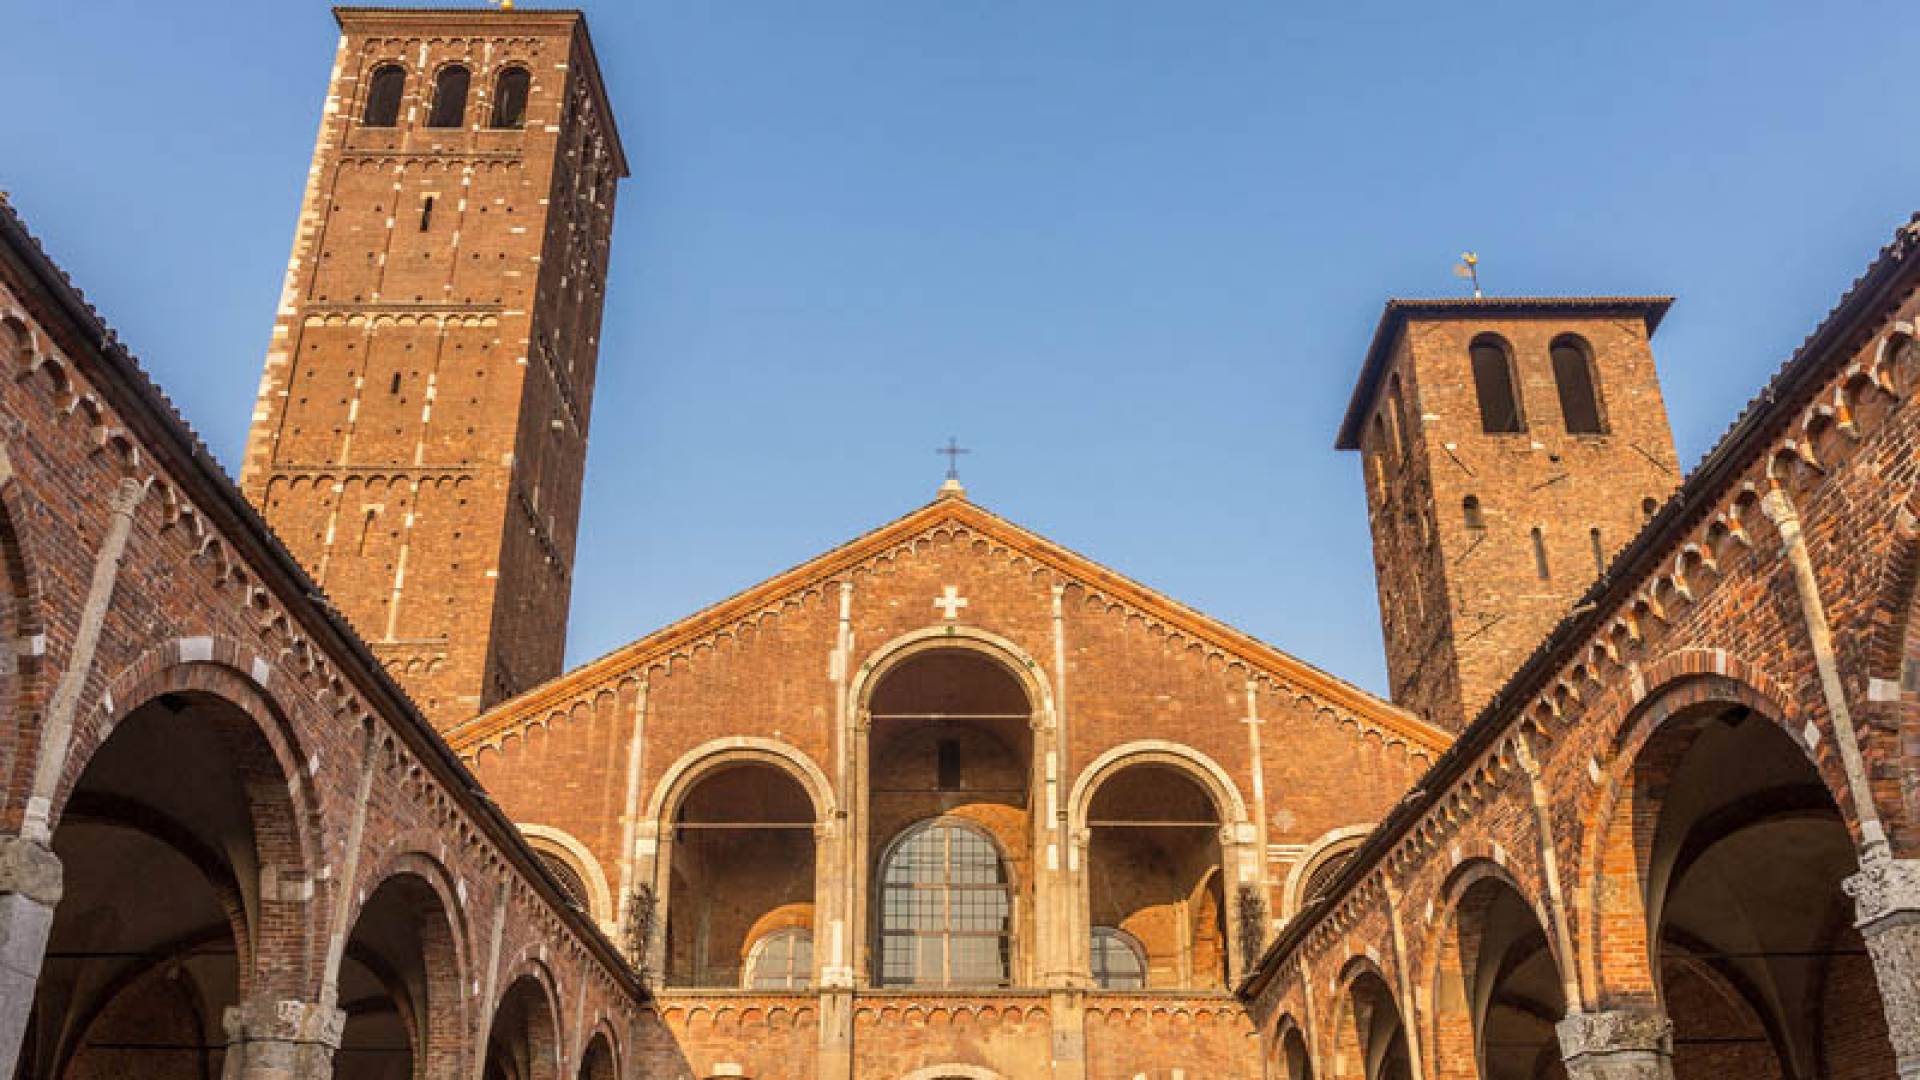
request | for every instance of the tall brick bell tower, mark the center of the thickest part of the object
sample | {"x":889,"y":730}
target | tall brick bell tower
{"x":1511,"y":446}
{"x":421,"y":432}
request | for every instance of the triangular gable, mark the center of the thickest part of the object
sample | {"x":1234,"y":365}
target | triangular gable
{"x":1282,"y":668}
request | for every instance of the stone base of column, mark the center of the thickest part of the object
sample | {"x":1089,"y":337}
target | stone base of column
{"x":1068,"y":1013}
{"x":29,"y":889}
{"x":1620,"y":1044}
{"x":281,"y":1040}
{"x":1886,"y":896}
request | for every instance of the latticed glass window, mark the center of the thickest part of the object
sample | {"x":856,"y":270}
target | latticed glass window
{"x":1119,"y":963}
{"x":782,"y":960}
{"x":946,"y":913}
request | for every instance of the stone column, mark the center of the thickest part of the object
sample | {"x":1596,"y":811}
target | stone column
{"x":1886,"y":897}
{"x":281,"y":1040}
{"x":29,"y":890}
{"x":1619,"y":1044}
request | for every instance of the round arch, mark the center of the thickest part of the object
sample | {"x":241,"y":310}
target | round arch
{"x":1317,"y":853}
{"x":568,"y":848}
{"x":545,"y":1033}
{"x":1024,"y":669}
{"x":1213,"y":779}
{"x":716,"y":754}
{"x":1011,"y":885}
{"x":1478,"y":914}
{"x":953,"y":1072}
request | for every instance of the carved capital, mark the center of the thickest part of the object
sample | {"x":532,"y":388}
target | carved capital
{"x":1615,"y":1032}
{"x":261,"y":1019}
{"x":29,"y":869}
{"x":1885,"y":889}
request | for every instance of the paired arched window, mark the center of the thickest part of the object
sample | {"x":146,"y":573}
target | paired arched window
{"x":1579,"y":390}
{"x":1493,"y":382}
{"x":450,"y":97}
{"x":782,"y":960}
{"x":383,"y":96}
{"x":946,"y":909}
{"x":1119,"y":963}
{"x":510,"y":98}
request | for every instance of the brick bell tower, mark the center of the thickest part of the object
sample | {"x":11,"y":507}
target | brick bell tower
{"x":1511,"y":447}
{"x":421,"y":432}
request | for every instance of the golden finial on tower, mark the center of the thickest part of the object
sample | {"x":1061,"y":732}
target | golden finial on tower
{"x":1469,"y":268}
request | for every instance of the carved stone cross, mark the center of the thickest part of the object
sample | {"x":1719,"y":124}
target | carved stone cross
{"x":951,"y":602}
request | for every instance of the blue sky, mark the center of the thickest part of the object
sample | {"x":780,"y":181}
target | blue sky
{"x":1129,"y":252}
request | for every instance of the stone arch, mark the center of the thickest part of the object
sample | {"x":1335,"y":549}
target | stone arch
{"x":1331,"y":844}
{"x":719,"y":753}
{"x":1185,"y":759}
{"x":564,"y":846}
{"x":953,"y":1072}
{"x":1018,"y":663}
{"x":1368,"y":1028}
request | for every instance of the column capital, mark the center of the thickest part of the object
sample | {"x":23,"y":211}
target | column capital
{"x":1617,"y":1044}
{"x":283,"y":1039}
{"x":1884,"y":889}
{"x":31,"y":869}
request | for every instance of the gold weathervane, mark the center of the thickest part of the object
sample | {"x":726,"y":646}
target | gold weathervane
{"x":1469,"y":268}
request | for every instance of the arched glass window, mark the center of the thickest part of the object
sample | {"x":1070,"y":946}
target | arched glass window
{"x":946,"y":911}
{"x":510,"y":98}
{"x":782,"y":960}
{"x":1579,"y":391}
{"x":383,"y":96}
{"x":1119,"y":963}
{"x":450,"y":97}
{"x":1493,"y":381}
{"x":1475,"y":517}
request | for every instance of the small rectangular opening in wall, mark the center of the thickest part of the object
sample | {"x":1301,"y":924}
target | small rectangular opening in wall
{"x":948,"y":765}
{"x":1540,"y":554}
{"x":426,"y":214}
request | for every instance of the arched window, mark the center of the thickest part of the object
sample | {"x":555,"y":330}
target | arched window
{"x":782,"y":960}
{"x":1396,"y":416}
{"x":450,"y":97}
{"x":1599,"y":550}
{"x":1540,"y":554}
{"x":1470,"y":509}
{"x":1579,"y":390}
{"x":510,"y":98}
{"x":1493,"y":381}
{"x":1119,"y":963}
{"x":946,"y":911}
{"x":568,"y":877}
{"x":383,"y":96}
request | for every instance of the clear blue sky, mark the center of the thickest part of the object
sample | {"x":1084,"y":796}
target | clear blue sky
{"x":1129,"y":252}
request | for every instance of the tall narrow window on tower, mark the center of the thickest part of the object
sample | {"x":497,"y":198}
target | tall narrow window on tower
{"x":1396,"y":413}
{"x":510,"y":98}
{"x":450,"y":97}
{"x":1579,"y":390}
{"x":1493,"y":382}
{"x":383,"y":96}
{"x":1476,"y":519}
{"x":1540,"y":554}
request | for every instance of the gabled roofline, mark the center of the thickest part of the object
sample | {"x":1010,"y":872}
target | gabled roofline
{"x":571,"y":17}
{"x":1878,"y":289}
{"x":1393,"y":319}
{"x":825,"y":567}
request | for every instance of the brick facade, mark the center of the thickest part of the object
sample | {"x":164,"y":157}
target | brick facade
{"x":420,"y":438}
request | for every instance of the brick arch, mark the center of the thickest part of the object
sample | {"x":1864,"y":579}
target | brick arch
{"x":448,"y":965}
{"x":1343,"y":1036}
{"x":528,"y":969}
{"x":280,"y":799}
{"x":1618,"y":971}
{"x":1444,"y":1028}
{"x":697,"y":763}
{"x":1024,"y":669}
{"x":569,"y":848}
{"x":602,"y":1031}
{"x":1184,"y":759}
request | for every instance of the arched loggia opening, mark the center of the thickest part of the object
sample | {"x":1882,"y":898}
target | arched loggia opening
{"x":1370,"y":1039}
{"x":1291,"y":1060}
{"x":950,"y":831}
{"x":164,"y":842}
{"x":598,"y":1062}
{"x":400,"y":987}
{"x":742,"y":881}
{"x":1759,"y":966}
{"x":1497,"y":992}
{"x":523,"y":1042}
{"x":1154,"y":874}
